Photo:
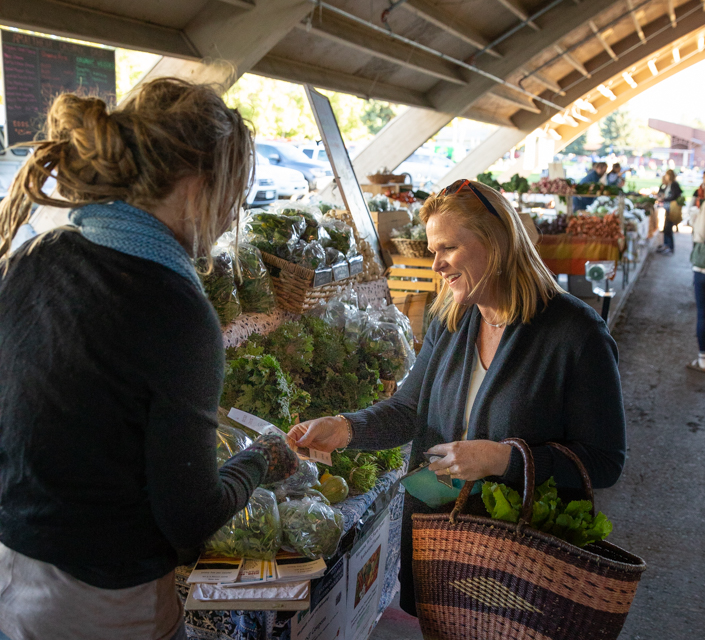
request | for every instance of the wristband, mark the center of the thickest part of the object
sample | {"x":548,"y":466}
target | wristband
{"x":350,"y":430}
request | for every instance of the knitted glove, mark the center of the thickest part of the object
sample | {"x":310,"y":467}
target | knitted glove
{"x":281,"y":460}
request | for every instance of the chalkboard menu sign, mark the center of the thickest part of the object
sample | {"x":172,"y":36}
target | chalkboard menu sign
{"x":38,"y":69}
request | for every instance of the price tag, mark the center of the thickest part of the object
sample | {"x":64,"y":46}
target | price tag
{"x":262,"y":427}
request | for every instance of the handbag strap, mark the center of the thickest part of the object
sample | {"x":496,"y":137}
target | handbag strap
{"x":527,"y":506}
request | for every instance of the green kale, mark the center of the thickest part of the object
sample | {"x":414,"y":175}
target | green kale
{"x":220,"y":288}
{"x":292,"y":345}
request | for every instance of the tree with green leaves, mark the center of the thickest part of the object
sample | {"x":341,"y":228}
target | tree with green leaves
{"x":376,"y":115}
{"x":577,"y":146}
{"x":616,"y":132}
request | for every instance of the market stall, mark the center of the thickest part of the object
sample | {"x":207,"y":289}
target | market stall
{"x":309,"y":332}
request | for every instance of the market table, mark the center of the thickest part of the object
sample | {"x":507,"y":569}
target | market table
{"x":563,"y":253}
{"x":261,"y":625}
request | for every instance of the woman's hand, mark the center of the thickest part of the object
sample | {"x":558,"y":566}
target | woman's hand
{"x":322,"y":434}
{"x":471,"y":459}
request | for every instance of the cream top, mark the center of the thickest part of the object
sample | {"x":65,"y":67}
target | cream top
{"x":476,"y":378}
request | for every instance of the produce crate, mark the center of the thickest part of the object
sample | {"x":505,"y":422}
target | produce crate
{"x":386,"y":222}
{"x":297,"y":289}
{"x":426,"y":280}
{"x":563,"y":253}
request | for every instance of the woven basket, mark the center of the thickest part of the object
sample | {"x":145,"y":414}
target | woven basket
{"x":383,"y":178}
{"x":412,"y":248}
{"x":293,"y":285}
{"x":478,"y":579}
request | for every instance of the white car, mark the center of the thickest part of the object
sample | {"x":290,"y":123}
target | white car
{"x":287,"y":182}
{"x":425,"y":168}
{"x":264,"y":190}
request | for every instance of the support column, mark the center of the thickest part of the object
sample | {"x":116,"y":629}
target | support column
{"x":480,"y":158}
{"x":234,"y":38}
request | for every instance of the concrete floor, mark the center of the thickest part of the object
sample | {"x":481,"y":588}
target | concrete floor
{"x":658,"y":506}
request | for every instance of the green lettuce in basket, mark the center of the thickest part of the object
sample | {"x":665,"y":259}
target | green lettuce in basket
{"x":572,"y":522}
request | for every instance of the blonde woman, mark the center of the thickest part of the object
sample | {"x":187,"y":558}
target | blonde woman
{"x":111,"y":366}
{"x":508,"y":354}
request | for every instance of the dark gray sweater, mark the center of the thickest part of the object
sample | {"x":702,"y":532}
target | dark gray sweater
{"x":555,"y":378}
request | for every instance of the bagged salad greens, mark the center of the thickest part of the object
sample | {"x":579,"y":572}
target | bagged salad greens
{"x":311,"y":527}
{"x":387,"y":343}
{"x":391,"y":313}
{"x":304,"y":478}
{"x":273,"y":233}
{"x":219,"y":284}
{"x":255,"y":285}
{"x":254,"y":532}
{"x":341,"y":237}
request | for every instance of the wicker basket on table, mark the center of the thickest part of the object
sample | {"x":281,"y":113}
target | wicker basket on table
{"x":384,"y":178}
{"x":412,"y":248}
{"x":477,"y":578}
{"x":293,"y":285}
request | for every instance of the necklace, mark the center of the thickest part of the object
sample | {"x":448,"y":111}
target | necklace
{"x":501,"y":324}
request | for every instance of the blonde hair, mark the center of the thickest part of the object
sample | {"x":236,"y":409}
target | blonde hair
{"x":513,"y":266}
{"x":167,"y":130}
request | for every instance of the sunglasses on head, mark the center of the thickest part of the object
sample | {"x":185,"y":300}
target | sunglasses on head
{"x":459,"y":185}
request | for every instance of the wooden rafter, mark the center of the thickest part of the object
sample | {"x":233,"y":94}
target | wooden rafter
{"x":637,"y":26}
{"x":519,"y":12}
{"x":602,"y":40}
{"x":572,"y":60}
{"x":449,"y":23}
{"x":672,"y":13}
{"x":547,"y":82}
{"x":515,"y":99}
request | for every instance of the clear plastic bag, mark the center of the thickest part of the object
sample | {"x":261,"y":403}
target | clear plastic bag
{"x":255,"y":286}
{"x":311,"y":527}
{"x":390,"y":313}
{"x":273,"y":233}
{"x":310,"y":255}
{"x":219,"y":284}
{"x":311,"y":214}
{"x":306,"y":476}
{"x":386,"y":342}
{"x":230,"y":441}
{"x":341,"y":237}
{"x":254,"y":532}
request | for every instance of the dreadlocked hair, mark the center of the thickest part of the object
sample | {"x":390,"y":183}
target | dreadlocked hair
{"x":167,"y":130}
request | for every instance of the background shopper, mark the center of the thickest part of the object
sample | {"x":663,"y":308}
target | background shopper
{"x":668,"y":192}
{"x":697,"y":259}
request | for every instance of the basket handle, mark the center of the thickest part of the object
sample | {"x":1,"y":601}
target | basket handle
{"x":527,"y":507}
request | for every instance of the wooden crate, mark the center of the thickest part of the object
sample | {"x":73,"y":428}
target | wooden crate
{"x":376,"y":189}
{"x":415,"y":307}
{"x":413,"y":268}
{"x":385,"y":221}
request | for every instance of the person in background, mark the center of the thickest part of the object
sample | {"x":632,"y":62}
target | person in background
{"x":668,"y":192}
{"x":508,"y":354}
{"x":614,"y":177}
{"x":699,"y":196}
{"x":697,"y":259}
{"x":111,"y":366}
{"x":594,"y":176}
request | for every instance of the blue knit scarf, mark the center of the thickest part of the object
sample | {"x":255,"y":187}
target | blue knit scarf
{"x":120,"y":226}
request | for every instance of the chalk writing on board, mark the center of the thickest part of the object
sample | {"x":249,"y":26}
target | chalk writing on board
{"x":38,"y":69}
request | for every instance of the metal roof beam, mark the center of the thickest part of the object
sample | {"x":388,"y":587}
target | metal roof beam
{"x":515,"y":7}
{"x":449,"y":23}
{"x":351,"y":34}
{"x":71,"y":21}
{"x":602,"y":40}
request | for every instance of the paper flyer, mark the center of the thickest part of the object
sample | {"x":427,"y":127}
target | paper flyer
{"x":325,"y":620}
{"x":215,"y":570}
{"x":366,"y":579}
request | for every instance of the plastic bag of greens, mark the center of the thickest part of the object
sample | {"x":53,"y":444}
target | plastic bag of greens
{"x":254,"y":532}
{"x":283,"y":495}
{"x":386,"y":342}
{"x":341,"y":237}
{"x":273,"y":233}
{"x":306,"y":476}
{"x":219,"y":284}
{"x":333,"y":257}
{"x":310,"y":527}
{"x":229,"y":441}
{"x":255,"y":285}
{"x":390,"y":313}
{"x":310,"y":255}
{"x":311,"y":214}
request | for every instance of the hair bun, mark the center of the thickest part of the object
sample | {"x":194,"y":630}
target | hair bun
{"x":97,"y":152}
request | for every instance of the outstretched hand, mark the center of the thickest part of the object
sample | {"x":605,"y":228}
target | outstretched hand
{"x":471,"y":459}
{"x":322,"y":434}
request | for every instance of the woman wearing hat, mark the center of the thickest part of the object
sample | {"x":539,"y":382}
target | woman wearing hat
{"x":509,"y":354}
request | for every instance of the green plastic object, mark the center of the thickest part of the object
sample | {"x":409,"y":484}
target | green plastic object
{"x":423,"y":485}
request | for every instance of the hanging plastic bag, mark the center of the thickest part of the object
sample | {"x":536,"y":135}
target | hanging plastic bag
{"x":255,"y":286}
{"x":219,"y":285}
{"x":273,"y":233}
{"x":390,"y":313}
{"x":306,"y":476}
{"x":341,"y":237}
{"x":254,"y":532}
{"x":386,"y":342}
{"x":311,"y":527}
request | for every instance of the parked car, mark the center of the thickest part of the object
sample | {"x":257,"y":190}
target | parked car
{"x":264,"y":190}
{"x":316,"y":152}
{"x":282,"y":154}
{"x":288,"y":182}
{"x":425,"y":168}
